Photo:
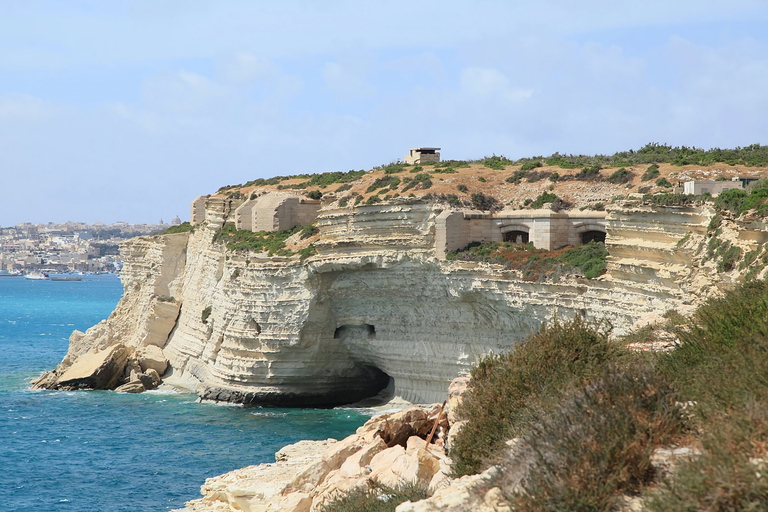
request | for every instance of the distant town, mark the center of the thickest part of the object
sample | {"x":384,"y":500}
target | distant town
{"x":68,"y":247}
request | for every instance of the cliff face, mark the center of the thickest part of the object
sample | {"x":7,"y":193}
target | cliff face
{"x":374,"y":303}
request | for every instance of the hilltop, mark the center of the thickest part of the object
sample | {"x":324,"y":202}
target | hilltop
{"x":579,"y":181}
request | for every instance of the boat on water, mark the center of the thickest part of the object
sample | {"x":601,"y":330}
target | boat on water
{"x":65,"y":276}
{"x":10,"y":273}
{"x":36,"y":276}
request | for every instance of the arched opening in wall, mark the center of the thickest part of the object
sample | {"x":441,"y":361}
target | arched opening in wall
{"x":592,"y":236}
{"x":516,"y":237}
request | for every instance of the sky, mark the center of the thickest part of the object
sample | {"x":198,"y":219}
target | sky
{"x":126,"y":110}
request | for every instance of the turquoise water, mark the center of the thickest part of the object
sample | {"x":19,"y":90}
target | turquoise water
{"x":104,"y":451}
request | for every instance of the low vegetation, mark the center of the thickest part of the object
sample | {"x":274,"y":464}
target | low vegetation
{"x":507,"y":390}
{"x":184,"y":227}
{"x":378,"y":498}
{"x":588,"y":260}
{"x":272,"y":242}
{"x":588,"y":414}
{"x":737,"y":201}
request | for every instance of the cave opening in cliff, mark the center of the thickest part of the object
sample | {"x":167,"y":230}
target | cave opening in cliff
{"x":516,"y":237}
{"x":592,"y":236}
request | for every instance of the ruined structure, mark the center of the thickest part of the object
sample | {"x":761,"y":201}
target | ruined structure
{"x":422,"y":156}
{"x":275,"y":212}
{"x":547,"y":229}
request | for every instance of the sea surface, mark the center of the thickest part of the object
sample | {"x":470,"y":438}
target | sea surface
{"x":92,"y":451}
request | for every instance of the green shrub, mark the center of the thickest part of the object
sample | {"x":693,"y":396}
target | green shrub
{"x":544,"y":198}
{"x":481,"y":179}
{"x":663,"y":182}
{"x":620,"y":176}
{"x":451,"y":163}
{"x":206,"y":313}
{"x":720,"y":363}
{"x":650,"y":173}
{"x":554,"y":177}
{"x":506,"y":389}
{"x":421,"y":181}
{"x":590,"y":258}
{"x":497,"y":163}
{"x":481,"y":201}
{"x":306,"y":252}
{"x":273,"y":242}
{"x":417,"y":169}
{"x":308,"y":231}
{"x":395,"y":168}
{"x":314,"y":194}
{"x":184,"y":227}
{"x":589,"y":173}
{"x":530,"y":165}
{"x":462,"y":188}
{"x":535,"y":176}
{"x":384,"y":181}
{"x":517,"y":176}
{"x":597,"y":445}
{"x":344,"y":187}
{"x":378,"y":498}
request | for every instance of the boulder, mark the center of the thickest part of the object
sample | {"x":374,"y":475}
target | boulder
{"x":395,"y":428}
{"x":473,"y":492}
{"x":135,"y":386}
{"x":152,"y":357}
{"x":96,"y":370}
{"x":150,"y":379}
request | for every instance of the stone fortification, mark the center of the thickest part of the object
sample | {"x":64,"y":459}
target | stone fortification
{"x":374,"y":303}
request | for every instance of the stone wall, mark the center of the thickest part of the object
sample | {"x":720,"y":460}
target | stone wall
{"x":545,"y":228}
{"x":197,"y":210}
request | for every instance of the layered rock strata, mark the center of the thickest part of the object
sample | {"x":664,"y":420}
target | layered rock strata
{"x":374,"y":303}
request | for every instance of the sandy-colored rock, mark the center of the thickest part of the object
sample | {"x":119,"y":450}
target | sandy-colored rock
{"x":134,"y":386}
{"x":101,"y":369}
{"x":474,"y":492}
{"x":152,"y":357}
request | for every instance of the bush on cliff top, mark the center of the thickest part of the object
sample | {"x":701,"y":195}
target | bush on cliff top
{"x":588,"y":260}
{"x":272,"y":242}
{"x":507,"y":389}
{"x":379,"y":498}
{"x":721,"y":366}
{"x":597,"y":445}
{"x":181,"y":228}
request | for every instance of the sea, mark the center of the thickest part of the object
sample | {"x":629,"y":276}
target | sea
{"x":93,"y":451}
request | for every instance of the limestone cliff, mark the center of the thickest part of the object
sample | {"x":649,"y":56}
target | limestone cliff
{"x":374,"y":303}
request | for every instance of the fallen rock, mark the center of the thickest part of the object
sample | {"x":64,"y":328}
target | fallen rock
{"x":395,"y":428}
{"x":152,"y":357}
{"x":473,"y":492}
{"x":150,"y":379}
{"x":95,"y":370}
{"x":134,"y":386}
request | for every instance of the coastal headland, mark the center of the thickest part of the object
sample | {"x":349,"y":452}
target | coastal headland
{"x":304,"y":291}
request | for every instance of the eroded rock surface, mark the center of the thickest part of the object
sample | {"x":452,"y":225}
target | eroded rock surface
{"x":374,"y":303}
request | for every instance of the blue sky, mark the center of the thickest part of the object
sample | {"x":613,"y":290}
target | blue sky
{"x":128,"y":109}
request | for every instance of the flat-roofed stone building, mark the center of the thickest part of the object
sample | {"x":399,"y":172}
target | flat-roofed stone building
{"x":709,"y":187}
{"x":422,"y":156}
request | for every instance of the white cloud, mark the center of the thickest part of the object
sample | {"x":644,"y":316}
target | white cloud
{"x":488,"y":83}
{"x":345,"y":82}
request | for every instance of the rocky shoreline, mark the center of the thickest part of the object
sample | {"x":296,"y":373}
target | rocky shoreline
{"x":391,"y":449}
